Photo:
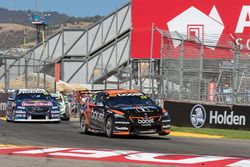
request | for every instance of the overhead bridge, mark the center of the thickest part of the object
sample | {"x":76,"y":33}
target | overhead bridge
{"x":85,"y":55}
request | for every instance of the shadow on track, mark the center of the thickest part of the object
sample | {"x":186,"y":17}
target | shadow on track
{"x":134,"y":137}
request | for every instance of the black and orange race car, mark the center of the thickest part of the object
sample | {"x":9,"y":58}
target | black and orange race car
{"x":123,"y":112}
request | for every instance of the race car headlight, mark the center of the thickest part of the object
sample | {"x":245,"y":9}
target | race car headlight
{"x":21,"y":107}
{"x":119,"y":115}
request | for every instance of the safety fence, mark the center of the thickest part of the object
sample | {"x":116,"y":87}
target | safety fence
{"x":199,"y":68}
{"x":26,"y":72}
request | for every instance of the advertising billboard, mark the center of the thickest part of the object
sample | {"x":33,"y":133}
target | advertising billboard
{"x":198,"y":115}
{"x":211,"y":21}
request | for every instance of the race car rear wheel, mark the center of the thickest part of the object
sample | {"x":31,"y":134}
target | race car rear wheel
{"x":83,"y":125}
{"x":109,"y":127}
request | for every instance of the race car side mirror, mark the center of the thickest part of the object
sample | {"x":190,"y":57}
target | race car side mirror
{"x":99,"y":104}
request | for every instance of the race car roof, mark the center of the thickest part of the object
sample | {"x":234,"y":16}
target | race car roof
{"x":32,"y":91}
{"x":124,"y":92}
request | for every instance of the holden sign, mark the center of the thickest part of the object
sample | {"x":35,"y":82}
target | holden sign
{"x":226,"y":118}
{"x":198,"y":116}
{"x":188,"y":114}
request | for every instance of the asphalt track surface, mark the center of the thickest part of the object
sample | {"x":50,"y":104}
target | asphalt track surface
{"x":66,"y":134}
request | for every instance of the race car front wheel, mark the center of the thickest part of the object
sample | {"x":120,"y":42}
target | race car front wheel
{"x":8,"y":118}
{"x":109,"y":127}
{"x":13,"y":117}
{"x":83,"y":124}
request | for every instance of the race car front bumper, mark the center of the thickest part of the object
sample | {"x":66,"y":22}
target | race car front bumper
{"x":128,"y":127}
{"x":37,"y":120}
{"x":27,"y":116}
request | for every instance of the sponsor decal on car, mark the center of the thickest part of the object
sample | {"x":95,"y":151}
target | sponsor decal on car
{"x":130,"y":94}
{"x":37,"y":103}
{"x":122,"y":122}
{"x":140,"y":108}
{"x":145,"y":121}
{"x":32,"y":91}
{"x":97,"y":116}
{"x":121,"y":128}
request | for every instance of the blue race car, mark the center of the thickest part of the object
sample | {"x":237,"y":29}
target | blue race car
{"x":32,"y":105}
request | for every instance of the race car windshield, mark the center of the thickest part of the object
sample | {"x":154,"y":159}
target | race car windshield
{"x":129,"y":101}
{"x":33,"y":96}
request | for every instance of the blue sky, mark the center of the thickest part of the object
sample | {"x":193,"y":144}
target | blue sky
{"x":79,"y":8}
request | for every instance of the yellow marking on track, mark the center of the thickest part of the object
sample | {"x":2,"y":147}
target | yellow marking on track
{"x":7,"y":146}
{"x":185,"y":134}
{"x":3,"y":118}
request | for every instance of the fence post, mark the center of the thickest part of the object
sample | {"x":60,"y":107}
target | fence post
{"x":38,"y":76}
{"x":6,"y":80}
{"x":201,"y":70}
{"x":152,"y":61}
{"x":236,"y":72}
{"x":161,"y":83}
{"x":26,"y":72}
{"x":44,"y":75}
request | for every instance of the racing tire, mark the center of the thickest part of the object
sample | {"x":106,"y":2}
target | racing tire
{"x":7,"y":118}
{"x":67,"y":115}
{"x":12,"y":117}
{"x":67,"y":118}
{"x":83,"y":125}
{"x":109,"y":127}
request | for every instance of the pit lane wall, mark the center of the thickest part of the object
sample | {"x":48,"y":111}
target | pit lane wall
{"x":199,"y":115}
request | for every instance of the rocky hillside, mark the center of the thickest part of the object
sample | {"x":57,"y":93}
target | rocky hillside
{"x":14,"y":23}
{"x":12,"y":35}
{"x":23,"y":17}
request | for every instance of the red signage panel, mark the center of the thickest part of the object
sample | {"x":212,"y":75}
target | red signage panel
{"x":208,"y":20}
{"x":57,"y":72}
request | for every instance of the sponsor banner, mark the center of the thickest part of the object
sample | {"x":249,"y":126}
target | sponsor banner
{"x":208,"y":21}
{"x":208,"y":115}
{"x":3,"y":103}
{"x":128,"y":156}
